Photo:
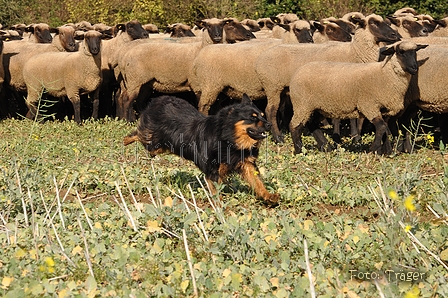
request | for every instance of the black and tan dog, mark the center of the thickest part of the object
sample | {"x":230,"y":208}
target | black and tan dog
{"x":219,"y":144}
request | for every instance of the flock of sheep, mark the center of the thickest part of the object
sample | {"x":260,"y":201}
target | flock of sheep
{"x":353,"y":67}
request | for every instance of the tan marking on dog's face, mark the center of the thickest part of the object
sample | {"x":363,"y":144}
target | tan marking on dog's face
{"x":242,"y":139}
{"x":158,"y":151}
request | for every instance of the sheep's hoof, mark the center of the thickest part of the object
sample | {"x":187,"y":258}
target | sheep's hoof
{"x":336,"y":138}
{"x":327,"y":147}
{"x":279,"y":139}
{"x":356,"y":138}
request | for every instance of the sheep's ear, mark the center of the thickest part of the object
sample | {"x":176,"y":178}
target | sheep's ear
{"x":287,"y":27}
{"x":386,"y":51}
{"x":79,"y":35}
{"x":361,"y":22}
{"x":393,"y":20}
{"x":421,"y":46}
{"x":121,"y":27}
{"x":441,"y":23}
{"x":54,"y":30}
{"x":423,"y":61}
{"x":318,"y":26}
{"x":199,"y":23}
{"x":169,"y":29}
{"x":30,"y":28}
{"x":246,"y":99}
{"x":276,"y":20}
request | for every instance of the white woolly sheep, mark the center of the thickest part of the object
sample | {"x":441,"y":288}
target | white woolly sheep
{"x":428,"y":90}
{"x":16,"y":53}
{"x":65,"y":74}
{"x":165,"y":66}
{"x":230,"y":69}
{"x":276,"y":66}
{"x":111,"y":50}
{"x":350,"y":90}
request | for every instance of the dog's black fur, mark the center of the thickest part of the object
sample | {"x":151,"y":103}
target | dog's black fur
{"x":219,"y":144}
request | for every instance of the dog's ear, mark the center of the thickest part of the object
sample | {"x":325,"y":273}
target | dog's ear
{"x":246,"y":100}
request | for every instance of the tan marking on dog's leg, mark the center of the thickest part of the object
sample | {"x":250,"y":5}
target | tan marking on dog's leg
{"x":250,"y":174}
{"x":130,"y":139}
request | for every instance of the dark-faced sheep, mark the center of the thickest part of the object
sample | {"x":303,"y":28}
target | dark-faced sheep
{"x":163,"y":67}
{"x":65,"y":74}
{"x":373,"y":90}
{"x":276,"y":66}
{"x":38,"y":33}
{"x":230,"y":69}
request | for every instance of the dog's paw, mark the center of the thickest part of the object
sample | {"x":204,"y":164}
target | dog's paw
{"x":272,"y":200}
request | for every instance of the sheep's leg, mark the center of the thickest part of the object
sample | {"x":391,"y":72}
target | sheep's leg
{"x":336,"y":130}
{"x":31,"y":99}
{"x":271,"y":114}
{"x":96,"y":103}
{"x":125,"y":109}
{"x":314,"y":126}
{"x":208,"y":97}
{"x":296,"y":135}
{"x":76,"y":102}
{"x":380,"y":130}
{"x":355,"y":131}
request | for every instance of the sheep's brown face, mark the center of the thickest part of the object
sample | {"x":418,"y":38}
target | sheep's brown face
{"x":337,"y":33}
{"x":382,"y":32}
{"x":93,"y":42}
{"x":414,"y":28}
{"x":135,"y":30}
{"x":407,"y":56}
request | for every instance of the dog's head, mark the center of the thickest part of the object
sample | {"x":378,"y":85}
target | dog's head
{"x":248,"y":122}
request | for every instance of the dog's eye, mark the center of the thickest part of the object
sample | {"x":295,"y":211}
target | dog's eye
{"x":254,"y":117}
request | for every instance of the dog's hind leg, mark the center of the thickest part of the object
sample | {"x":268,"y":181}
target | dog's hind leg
{"x":131,"y":138}
{"x":250,"y":174}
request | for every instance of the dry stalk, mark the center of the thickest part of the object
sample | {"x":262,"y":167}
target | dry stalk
{"x":130,"y":190}
{"x":308,"y":269}
{"x":84,"y":210}
{"x":86,"y":251}
{"x":125,"y":206}
{"x":190,"y":263}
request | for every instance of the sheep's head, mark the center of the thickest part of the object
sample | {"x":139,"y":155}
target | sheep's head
{"x":133,"y":29}
{"x":251,"y":24}
{"x":406,"y":53}
{"x":179,"y":30}
{"x":332,"y":30}
{"x":235,"y":31}
{"x":41,"y":32}
{"x":412,"y":25}
{"x":67,"y":37}
{"x":265,"y":23}
{"x":301,"y":29}
{"x":92,"y":40}
{"x":380,"y":30}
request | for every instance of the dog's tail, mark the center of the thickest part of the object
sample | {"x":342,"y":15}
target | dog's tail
{"x":131,"y":138}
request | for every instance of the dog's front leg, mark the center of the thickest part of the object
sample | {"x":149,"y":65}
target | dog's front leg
{"x":251,"y":175}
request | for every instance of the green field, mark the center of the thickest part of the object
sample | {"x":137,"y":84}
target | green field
{"x":82,"y":215}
